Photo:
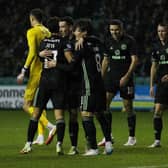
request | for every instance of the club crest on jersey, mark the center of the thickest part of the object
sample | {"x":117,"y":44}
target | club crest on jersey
{"x":123,"y":46}
{"x":166,"y":50}
{"x":117,"y":52}
{"x":162,"y":57}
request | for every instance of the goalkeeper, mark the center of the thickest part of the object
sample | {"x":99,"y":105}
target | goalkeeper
{"x":34,"y":36}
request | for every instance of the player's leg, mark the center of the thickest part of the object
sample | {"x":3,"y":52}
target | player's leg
{"x":58,"y":99}
{"x":30,"y":92}
{"x":73,"y":108}
{"x":108,"y":115}
{"x":40,"y":104}
{"x":29,"y":96}
{"x":157,"y":124}
{"x":32,"y":128}
{"x":40,"y":138}
{"x":90,"y":133}
{"x":131,"y":119}
{"x":87,"y":106}
{"x":100,"y":104}
{"x":73,"y":130}
{"x":60,"y":123}
{"x":161,"y":104}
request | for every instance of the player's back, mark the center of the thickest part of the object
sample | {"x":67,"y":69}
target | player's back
{"x":54,"y":77}
{"x":34,"y":36}
{"x":91,"y":64}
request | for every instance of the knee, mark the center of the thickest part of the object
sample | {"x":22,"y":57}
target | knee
{"x":87,"y":116}
{"x":157,"y":114}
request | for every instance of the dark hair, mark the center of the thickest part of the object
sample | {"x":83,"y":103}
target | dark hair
{"x":163,"y":23}
{"x":84,"y":25}
{"x":116,"y":22}
{"x":53,"y":24}
{"x":38,"y":14}
{"x":68,"y":20}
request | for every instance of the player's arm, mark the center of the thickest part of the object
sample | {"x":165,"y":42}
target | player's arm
{"x":63,"y":66}
{"x":31,"y":38}
{"x":31,"y":54}
{"x":153,"y":71}
{"x":133,"y":64}
{"x":131,"y":69}
{"x":105,"y":64}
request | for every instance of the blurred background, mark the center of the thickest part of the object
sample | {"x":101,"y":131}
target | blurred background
{"x":139,"y":17}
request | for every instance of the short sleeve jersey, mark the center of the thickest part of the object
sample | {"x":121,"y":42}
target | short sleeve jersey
{"x":90,"y":58}
{"x":119,"y":54}
{"x":160,"y":55}
{"x":54,"y":77}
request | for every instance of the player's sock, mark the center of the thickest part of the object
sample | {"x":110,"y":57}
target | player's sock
{"x":43,"y":119}
{"x":40,"y":129}
{"x":73,"y":132}
{"x":60,"y":129}
{"x":158,"y":125}
{"x":33,"y":124}
{"x":131,"y":124}
{"x":50,"y":126}
{"x":90,"y":131}
{"x":104,"y":126}
{"x":108,"y":116}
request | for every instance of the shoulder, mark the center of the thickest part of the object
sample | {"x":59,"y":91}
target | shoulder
{"x":31,"y":31}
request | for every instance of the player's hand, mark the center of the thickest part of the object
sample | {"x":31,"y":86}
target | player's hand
{"x":79,"y":44}
{"x":124,"y":80}
{"x":151,"y":92}
{"x":164,"y":78}
{"x":45,"y":53}
{"x":49,"y":63}
{"x":20,"y":77}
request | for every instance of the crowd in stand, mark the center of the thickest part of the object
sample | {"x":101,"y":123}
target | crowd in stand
{"x":140,"y":19}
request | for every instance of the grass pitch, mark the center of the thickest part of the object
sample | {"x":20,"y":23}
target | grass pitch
{"x":13,"y":128}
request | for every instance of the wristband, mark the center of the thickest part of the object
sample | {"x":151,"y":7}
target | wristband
{"x":24,"y":69}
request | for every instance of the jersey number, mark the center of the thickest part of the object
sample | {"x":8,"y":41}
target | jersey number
{"x":98,"y":61}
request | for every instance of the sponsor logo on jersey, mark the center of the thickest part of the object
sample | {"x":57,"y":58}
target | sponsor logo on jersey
{"x":117,"y":52}
{"x":162,"y":57}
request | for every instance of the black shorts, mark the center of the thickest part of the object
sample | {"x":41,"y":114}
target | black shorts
{"x":126,"y":92}
{"x":73,"y":101}
{"x":43,"y":95}
{"x":161,"y":95}
{"x":73,"y":95}
{"x":94,"y":103}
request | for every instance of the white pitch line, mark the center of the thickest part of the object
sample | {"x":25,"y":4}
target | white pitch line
{"x":158,"y":166}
